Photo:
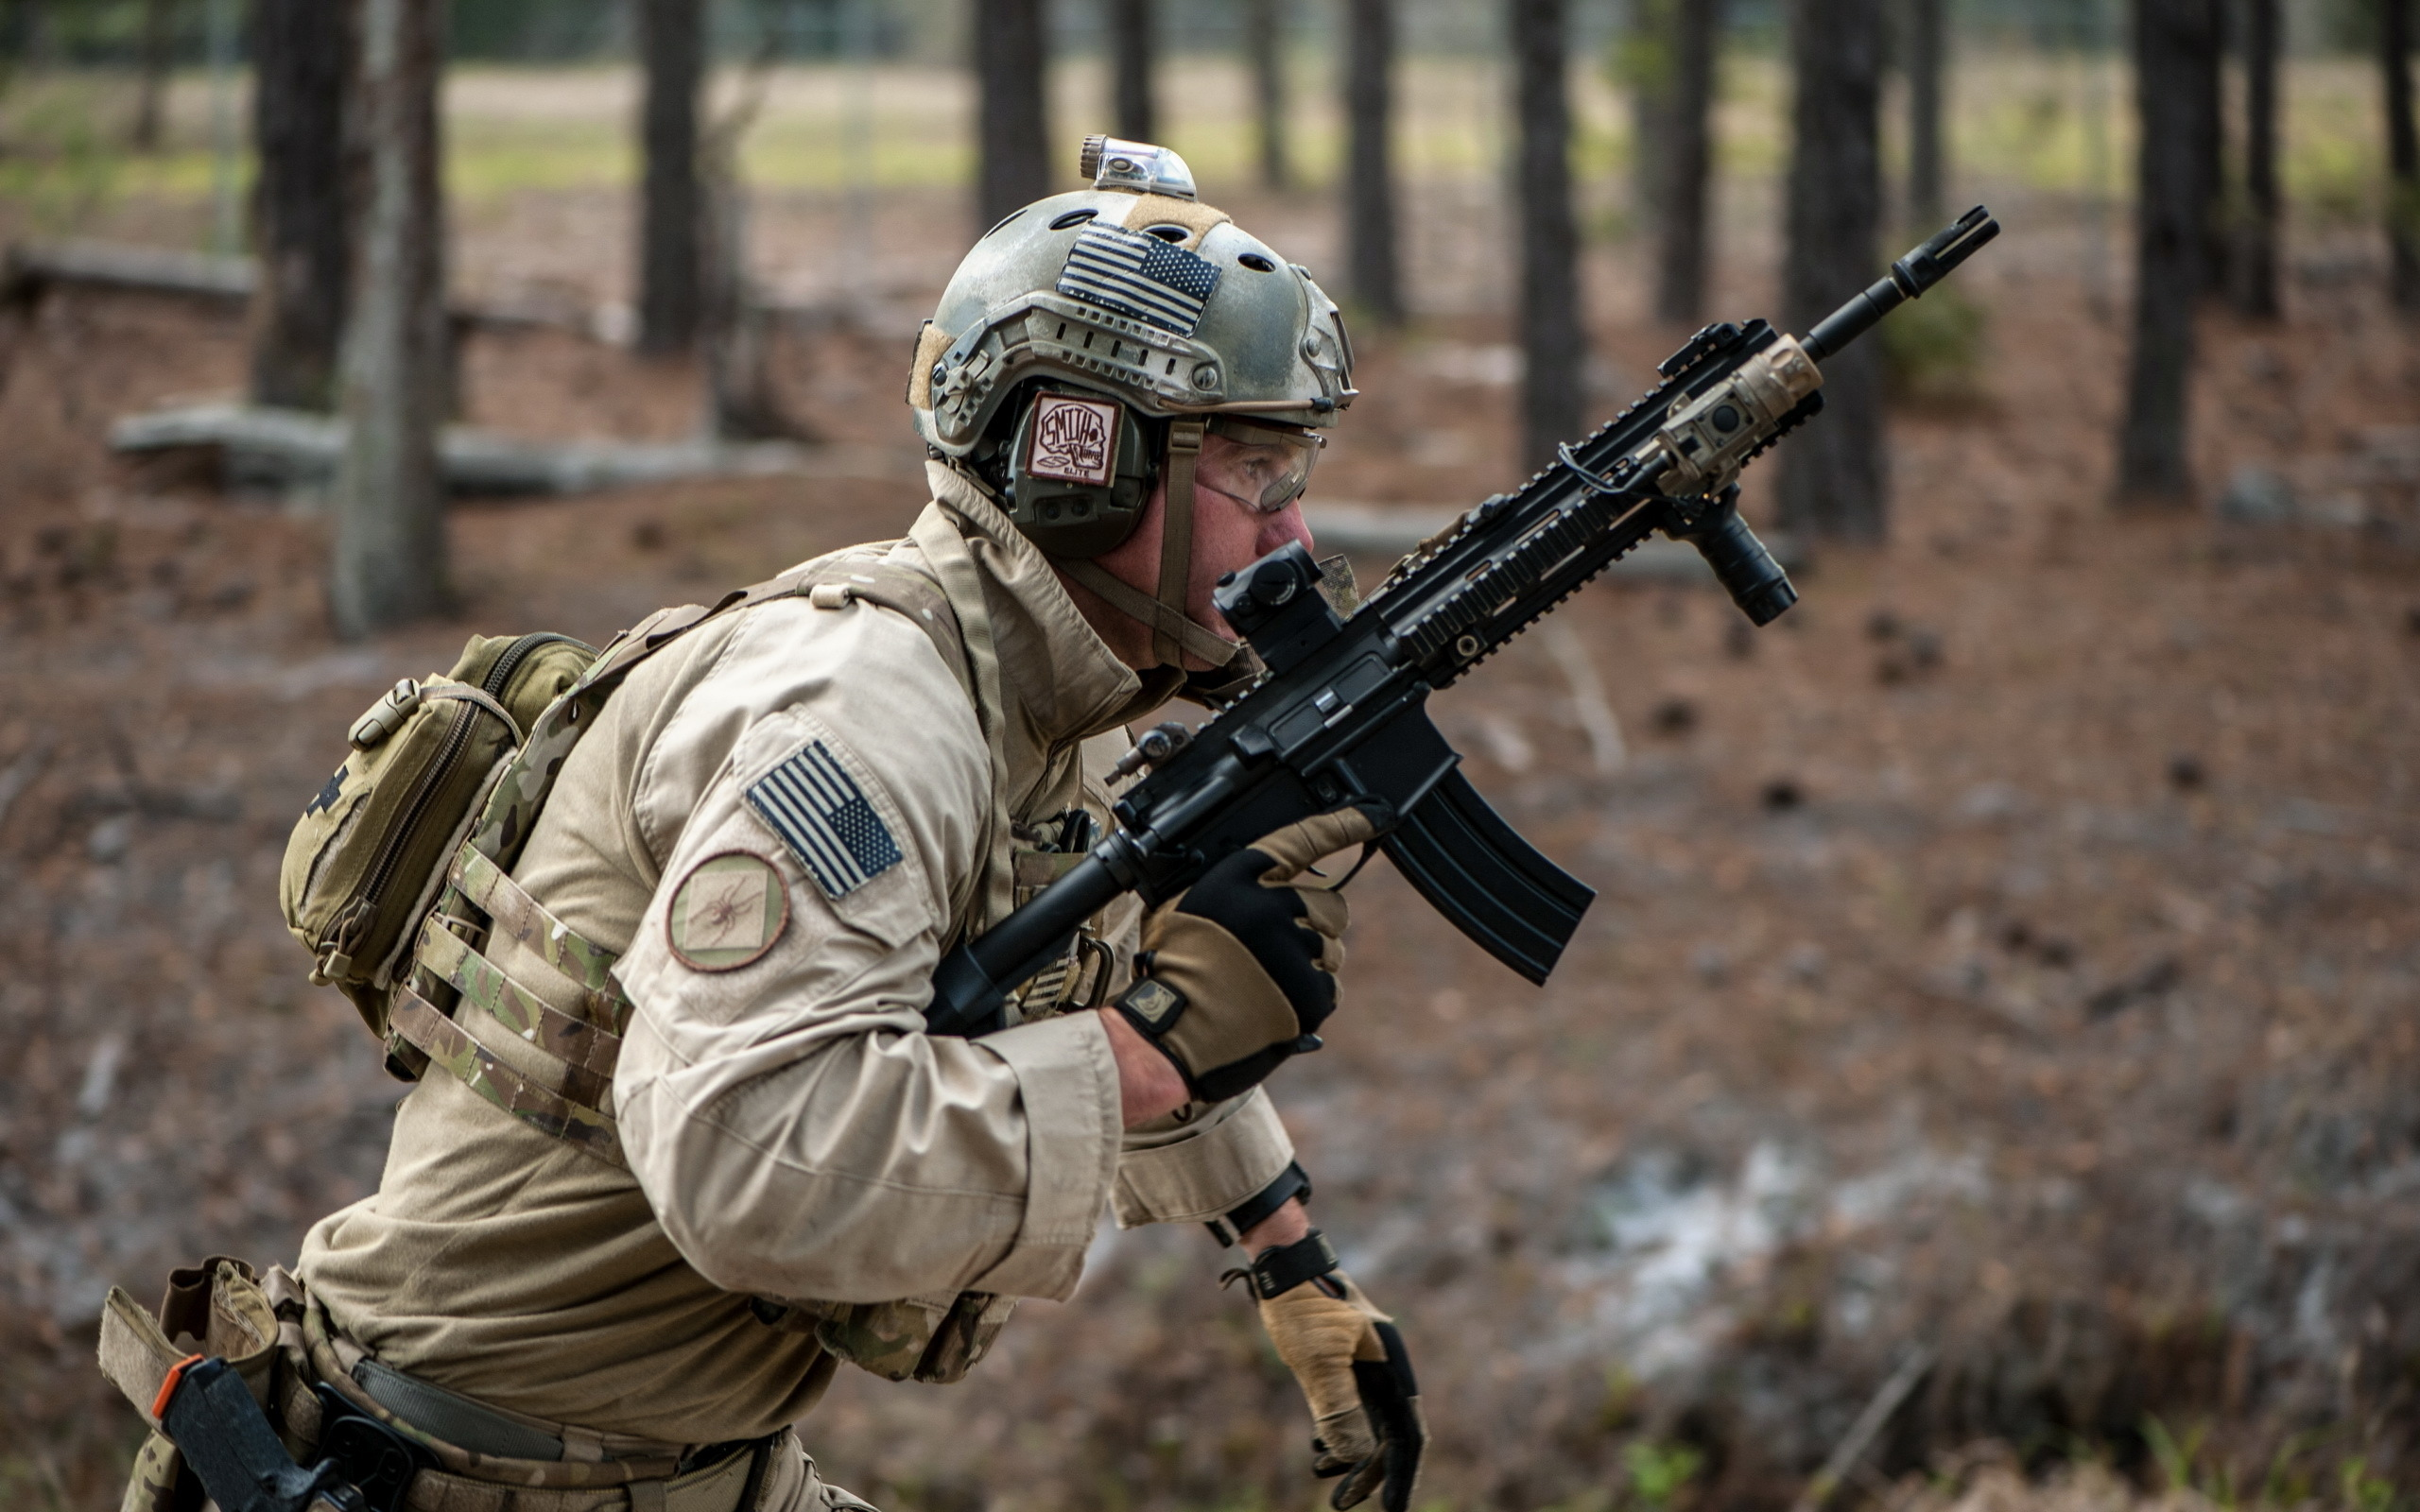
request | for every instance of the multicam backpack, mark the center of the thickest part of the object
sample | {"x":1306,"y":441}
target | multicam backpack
{"x":400,"y":871}
{"x":364,"y":862}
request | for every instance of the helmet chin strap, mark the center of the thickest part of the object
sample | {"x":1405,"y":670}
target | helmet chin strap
{"x":1176,"y":537}
{"x":1173,"y":635}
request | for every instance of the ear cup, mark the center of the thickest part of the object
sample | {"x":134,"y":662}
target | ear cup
{"x":1081,"y":469}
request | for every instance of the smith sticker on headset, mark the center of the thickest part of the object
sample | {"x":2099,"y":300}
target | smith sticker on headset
{"x":1075,"y":440}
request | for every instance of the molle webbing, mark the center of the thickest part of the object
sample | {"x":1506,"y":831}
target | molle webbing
{"x":444,"y":1042}
{"x":585,"y":1050}
{"x":458,"y":1007}
{"x":581,"y":966}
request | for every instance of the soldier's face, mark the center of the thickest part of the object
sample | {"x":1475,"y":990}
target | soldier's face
{"x":1232,"y":526}
{"x":1235,"y":524}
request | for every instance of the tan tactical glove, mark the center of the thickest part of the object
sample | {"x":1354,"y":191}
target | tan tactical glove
{"x":1353,"y":1369}
{"x":1238,"y":971}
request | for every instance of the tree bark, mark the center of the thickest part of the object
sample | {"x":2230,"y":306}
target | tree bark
{"x":743,"y":402}
{"x":2402,"y":155}
{"x":2207,"y":95}
{"x":159,"y":36}
{"x":1927,"y":60}
{"x":390,"y":541}
{"x":1682,"y":244}
{"x":1373,"y":260}
{"x":1553,"y":342}
{"x":672,"y":41}
{"x":300,"y":50}
{"x":1833,"y":477}
{"x":2252,"y":266}
{"x":1646,"y":63}
{"x":1011,"y":65}
{"x":1132,"y":57}
{"x":2173,"y":42}
{"x":1265,"y":48}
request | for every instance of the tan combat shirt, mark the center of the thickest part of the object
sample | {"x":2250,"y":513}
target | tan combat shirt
{"x":790,"y":1130}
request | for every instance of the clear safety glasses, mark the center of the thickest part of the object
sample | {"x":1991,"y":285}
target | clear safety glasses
{"x":1266,"y":468}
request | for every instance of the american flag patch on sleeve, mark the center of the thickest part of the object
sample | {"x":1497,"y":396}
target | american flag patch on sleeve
{"x":817,"y":808}
{"x":1139,"y":276}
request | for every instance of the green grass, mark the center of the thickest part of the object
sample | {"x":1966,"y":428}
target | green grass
{"x":1661,"y":1474}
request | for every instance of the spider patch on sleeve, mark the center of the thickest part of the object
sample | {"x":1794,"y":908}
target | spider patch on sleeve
{"x":727,"y":911}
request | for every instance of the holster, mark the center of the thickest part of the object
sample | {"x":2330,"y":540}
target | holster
{"x":306,"y":1375}
{"x":218,"y":1308}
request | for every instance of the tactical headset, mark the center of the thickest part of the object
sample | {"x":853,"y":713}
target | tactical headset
{"x":1080,"y":465}
{"x":1079,"y":469}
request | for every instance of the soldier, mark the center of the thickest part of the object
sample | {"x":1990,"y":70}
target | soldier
{"x":773,"y":832}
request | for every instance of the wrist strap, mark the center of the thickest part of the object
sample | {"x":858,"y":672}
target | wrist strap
{"x":1291,"y":1182}
{"x":1280,"y":1268}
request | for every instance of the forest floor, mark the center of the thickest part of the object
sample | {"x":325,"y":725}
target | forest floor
{"x":2011,"y":952}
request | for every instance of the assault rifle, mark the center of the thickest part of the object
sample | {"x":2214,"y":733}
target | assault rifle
{"x":1338,"y":718}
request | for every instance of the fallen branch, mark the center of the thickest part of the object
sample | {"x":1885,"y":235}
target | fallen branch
{"x":30,"y":270}
{"x":1862,"y":1433}
{"x":1588,"y":703}
{"x":284,"y":450}
{"x":20,"y":773}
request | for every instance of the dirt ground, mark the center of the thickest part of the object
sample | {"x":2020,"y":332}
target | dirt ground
{"x":2011,"y":953}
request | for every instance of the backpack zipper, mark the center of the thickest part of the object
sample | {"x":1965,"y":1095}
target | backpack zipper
{"x":507,"y":664}
{"x":457,"y":737}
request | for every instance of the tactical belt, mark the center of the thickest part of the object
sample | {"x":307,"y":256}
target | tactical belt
{"x":270,"y":1386}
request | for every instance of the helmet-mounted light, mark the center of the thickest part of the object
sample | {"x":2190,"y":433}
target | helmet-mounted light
{"x":1138,"y":167}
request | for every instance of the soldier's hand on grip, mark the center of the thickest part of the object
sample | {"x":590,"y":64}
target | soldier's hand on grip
{"x":1239,"y":971}
{"x":1355,"y":1373}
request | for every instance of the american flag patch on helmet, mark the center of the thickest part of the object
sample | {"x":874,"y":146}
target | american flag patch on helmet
{"x":817,"y":808}
{"x":1139,"y":276}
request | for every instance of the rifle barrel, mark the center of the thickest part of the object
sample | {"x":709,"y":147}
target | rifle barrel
{"x":1923,"y":267}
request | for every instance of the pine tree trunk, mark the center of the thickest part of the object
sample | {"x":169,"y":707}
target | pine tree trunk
{"x":743,"y":400}
{"x":1264,"y":47}
{"x":1648,"y":66}
{"x":1682,"y":234}
{"x":300,"y":51}
{"x":1833,"y":477}
{"x":2402,"y":155}
{"x":1553,"y":342}
{"x":159,"y":35}
{"x":1011,"y":64}
{"x":1927,"y":61}
{"x":389,"y":541}
{"x":2208,"y":97}
{"x":2174,"y":41}
{"x":1373,"y":261}
{"x":1131,"y":59}
{"x":2252,"y":265}
{"x":672,"y":42}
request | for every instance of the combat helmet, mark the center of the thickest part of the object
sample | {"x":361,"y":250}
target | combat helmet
{"x":1089,"y":338}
